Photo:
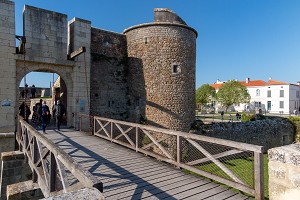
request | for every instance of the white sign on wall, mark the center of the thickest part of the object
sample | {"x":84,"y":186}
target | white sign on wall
{"x":6,"y":103}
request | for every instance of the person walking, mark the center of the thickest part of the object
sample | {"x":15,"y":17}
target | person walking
{"x":33,"y":91}
{"x":24,"y":111}
{"x":58,"y":112}
{"x":222,"y":115}
{"x":45,"y":116}
{"x":38,"y":112}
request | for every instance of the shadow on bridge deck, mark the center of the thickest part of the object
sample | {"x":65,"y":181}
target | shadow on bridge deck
{"x":129,"y":175}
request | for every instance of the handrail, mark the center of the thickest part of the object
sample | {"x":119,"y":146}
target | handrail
{"x":41,"y":151}
{"x":177,"y":148}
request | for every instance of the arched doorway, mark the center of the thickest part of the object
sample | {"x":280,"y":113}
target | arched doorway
{"x":47,"y":86}
{"x":61,"y":86}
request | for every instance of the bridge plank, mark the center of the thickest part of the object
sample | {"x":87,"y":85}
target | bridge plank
{"x":129,"y":175}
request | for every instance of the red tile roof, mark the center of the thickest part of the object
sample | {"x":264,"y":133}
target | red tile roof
{"x":252,"y":83}
{"x":274,"y":82}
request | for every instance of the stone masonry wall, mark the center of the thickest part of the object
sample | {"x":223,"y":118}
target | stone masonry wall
{"x":284,"y":172}
{"x":7,"y":143}
{"x":80,"y":35}
{"x":166,"y":98}
{"x":109,"y":90}
{"x":14,"y":170}
{"x":8,"y":101}
{"x":267,"y":133}
{"x":46,"y":35}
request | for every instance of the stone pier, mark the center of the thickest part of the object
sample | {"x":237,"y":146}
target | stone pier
{"x":14,"y":169}
{"x":284,"y":172}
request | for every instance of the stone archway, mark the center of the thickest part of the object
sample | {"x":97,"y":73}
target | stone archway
{"x":64,"y":71}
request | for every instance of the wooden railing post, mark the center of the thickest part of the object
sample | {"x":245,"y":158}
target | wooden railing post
{"x":179,"y":147}
{"x":52,"y":173}
{"x":136,"y":138}
{"x":259,"y":175}
{"x":111,"y":131}
{"x":94,"y":121}
{"x":80,"y":124}
{"x":35,"y":159}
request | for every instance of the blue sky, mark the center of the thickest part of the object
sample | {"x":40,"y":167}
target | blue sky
{"x":236,"y":38}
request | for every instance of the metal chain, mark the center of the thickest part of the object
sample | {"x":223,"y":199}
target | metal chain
{"x":25,"y":93}
{"x":87,"y":95}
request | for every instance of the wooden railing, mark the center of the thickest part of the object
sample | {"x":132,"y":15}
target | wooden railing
{"x":195,"y":153}
{"x":52,"y":168}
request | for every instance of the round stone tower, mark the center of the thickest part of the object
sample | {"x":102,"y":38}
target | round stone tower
{"x":162,"y":63}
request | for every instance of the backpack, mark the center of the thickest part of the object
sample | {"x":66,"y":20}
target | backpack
{"x":45,"y":110}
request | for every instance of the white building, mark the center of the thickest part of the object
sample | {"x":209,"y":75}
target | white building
{"x":272,"y":96}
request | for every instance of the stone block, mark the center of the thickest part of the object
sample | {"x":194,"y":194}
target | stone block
{"x":24,"y":190}
{"x":13,"y":155}
{"x":83,"y":194}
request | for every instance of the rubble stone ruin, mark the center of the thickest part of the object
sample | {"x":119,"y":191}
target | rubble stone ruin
{"x":145,"y":74}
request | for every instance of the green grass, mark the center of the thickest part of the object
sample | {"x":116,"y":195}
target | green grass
{"x":242,"y":168}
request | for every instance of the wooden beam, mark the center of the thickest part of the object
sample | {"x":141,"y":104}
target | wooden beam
{"x":217,"y":162}
{"x":76,"y":53}
{"x":259,"y":175}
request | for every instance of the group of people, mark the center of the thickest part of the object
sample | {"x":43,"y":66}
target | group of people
{"x":24,"y":92}
{"x":41,"y":114}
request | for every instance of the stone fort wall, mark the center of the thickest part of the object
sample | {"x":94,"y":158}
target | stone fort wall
{"x":148,"y":72}
{"x":162,"y":58}
{"x":109,"y":91}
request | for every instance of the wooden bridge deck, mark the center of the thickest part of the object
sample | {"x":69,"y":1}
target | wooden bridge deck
{"x":129,"y":175}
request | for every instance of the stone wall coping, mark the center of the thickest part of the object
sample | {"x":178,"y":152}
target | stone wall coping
{"x":44,"y":10}
{"x":160,"y":24}
{"x":14,"y":190}
{"x":289,"y":154}
{"x":76,"y":19}
{"x":108,"y":31}
{"x":7,"y":135}
{"x":91,"y":193}
{"x":12,"y":155}
{"x":7,"y":2}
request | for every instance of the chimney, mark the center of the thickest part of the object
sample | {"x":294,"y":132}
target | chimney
{"x":270,"y":78}
{"x":247,"y":80}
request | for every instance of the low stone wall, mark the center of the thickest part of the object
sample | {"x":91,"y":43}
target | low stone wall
{"x":7,"y":142}
{"x":14,"y":170}
{"x":86,"y":193}
{"x":268,"y":133}
{"x":284,"y":172}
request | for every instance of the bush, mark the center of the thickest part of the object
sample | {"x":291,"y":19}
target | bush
{"x":247,"y":117}
{"x":296,"y":123}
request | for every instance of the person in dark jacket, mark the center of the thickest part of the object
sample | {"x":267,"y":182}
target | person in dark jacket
{"x":58,"y":112}
{"x":24,"y":111}
{"x":45,"y":116}
{"x":33,"y":91}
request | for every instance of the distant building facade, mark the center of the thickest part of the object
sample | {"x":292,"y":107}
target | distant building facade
{"x":272,"y":96}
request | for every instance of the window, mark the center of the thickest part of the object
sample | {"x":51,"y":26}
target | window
{"x":257,"y":92}
{"x":175,"y":69}
{"x":269,"y":93}
{"x":281,"y":104}
{"x":269,"y":105}
{"x":257,"y":104}
{"x":281,"y":93}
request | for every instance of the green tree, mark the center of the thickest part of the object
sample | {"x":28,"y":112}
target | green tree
{"x":233,"y":92}
{"x":204,"y":94}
